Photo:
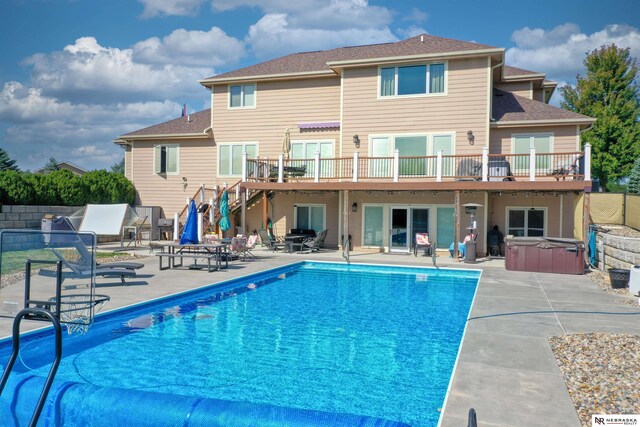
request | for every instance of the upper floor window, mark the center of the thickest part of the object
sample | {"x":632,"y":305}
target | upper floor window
{"x":166,"y":159}
{"x":242,"y":96}
{"x":230,"y":158}
{"x":412,"y":80}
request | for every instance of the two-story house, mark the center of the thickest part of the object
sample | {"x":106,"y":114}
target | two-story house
{"x":378,"y":142}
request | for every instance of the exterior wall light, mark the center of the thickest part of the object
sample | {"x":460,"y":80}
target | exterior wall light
{"x":356,"y":141}
{"x":471,"y":137}
{"x":354,"y":207}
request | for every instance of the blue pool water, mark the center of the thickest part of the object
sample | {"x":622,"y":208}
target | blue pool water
{"x":367,"y":340}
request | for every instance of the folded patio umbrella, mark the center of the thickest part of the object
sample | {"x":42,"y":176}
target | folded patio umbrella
{"x":224,"y":211}
{"x":190,"y":231}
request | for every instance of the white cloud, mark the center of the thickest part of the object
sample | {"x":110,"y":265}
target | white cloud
{"x":411,"y":31}
{"x":304,"y":25}
{"x":416,"y":15}
{"x":40,"y":126}
{"x":170,"y":7}
{"x":272,"y":36}
{"x":89,"y":72}
{"x":560,"y":52}
{"x":211,"y":48}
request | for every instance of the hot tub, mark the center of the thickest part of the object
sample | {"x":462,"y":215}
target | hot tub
{"x":545,"y":255}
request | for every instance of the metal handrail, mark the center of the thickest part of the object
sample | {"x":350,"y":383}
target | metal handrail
{"x":473,"y":421}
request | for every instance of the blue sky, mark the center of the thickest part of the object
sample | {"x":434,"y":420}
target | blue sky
{"x":75,"y":74}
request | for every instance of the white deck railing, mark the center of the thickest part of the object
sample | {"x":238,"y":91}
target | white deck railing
{"x":441,"y":167}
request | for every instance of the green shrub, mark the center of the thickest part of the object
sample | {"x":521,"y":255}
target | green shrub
{"x":15,"y":189}
{"x":62,"y":187}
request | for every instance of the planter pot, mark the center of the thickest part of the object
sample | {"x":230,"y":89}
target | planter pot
{"x":619,"y":277}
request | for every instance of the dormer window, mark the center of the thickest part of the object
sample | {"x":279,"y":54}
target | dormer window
{"x":242,"y":96}
{"x":412,"y":80}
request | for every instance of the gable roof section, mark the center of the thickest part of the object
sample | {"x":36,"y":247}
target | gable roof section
{"x":513,"y":109}
{"x":517,"y":73}
{"x":181,"y":127}
{"x":319,"y":62}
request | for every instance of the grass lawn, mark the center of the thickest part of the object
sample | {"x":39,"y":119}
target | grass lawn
{"x":11,"y":262}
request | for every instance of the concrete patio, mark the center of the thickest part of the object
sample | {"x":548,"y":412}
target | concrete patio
{"x":505,"y":370}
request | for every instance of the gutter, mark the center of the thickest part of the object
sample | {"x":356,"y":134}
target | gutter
{"x":500,"y":64}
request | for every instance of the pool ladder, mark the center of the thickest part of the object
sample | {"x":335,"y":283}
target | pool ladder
{"x":38,"y":314}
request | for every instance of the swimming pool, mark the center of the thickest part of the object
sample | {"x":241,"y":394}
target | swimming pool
{"x":374,"y":341}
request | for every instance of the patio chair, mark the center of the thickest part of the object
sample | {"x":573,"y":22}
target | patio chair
{"x":269,"y":241}
{"x":251,"y":244}
{"x":565,"y":169}
{"x":85,"y":255}
{"x":422,"y":243}
{"x":238,"y":247}
{"x":312,"y":244}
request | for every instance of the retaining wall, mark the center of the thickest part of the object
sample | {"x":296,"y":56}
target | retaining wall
{"x":21,"y":216}
{"x":617,"y":251}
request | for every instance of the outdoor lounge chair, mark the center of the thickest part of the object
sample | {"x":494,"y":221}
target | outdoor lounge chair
{"x":252,"y":240}
{"x":83,"y":271}
{"x":270,"y":241}
{"x":313,"y":244}
{"x":86,"y":258}
{"x":422,"y":242}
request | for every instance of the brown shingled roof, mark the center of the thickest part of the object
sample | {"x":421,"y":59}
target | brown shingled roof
{"x":510,"y":71}
{"x":508,"y":107}
{"x":199,"y":122}
{"x":317,"y":61}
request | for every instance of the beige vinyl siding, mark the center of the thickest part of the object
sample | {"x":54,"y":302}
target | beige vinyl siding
{"x":463,"y":108}
{"x":564,"y":138}
{"x":517,"y":88}
{"x":279,"y":105}
{"x":538,"y":95}
{"x":197,"y":164}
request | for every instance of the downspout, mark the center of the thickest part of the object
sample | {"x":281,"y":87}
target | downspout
{"x":500,"y":64}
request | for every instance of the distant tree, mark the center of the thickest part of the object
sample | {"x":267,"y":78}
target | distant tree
{"x":118,"y":167}
{"x":6,"y":163}
{"x":610,"y":93}
{"x":634,"y":178}
{"x":52,"y":165}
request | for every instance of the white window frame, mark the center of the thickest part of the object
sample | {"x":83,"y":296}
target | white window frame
{"x":310,"y":205}
{"x":531,"y":137}
{"x":526,"y":218}
{"x":230,"y":144}
{"x":325,"y":169}
{"x":242,"y":85}
{"x":427,"y":76}
{"x":155,"y":166}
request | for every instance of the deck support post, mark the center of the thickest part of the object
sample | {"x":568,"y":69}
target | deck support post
{"x":396,"y":165}
{"x":587,"y":162}
{"x":316,"y":167}
{"x":532,"y":164}
{"x":244,"y":166}
{"x":356,"y":156}
{"x":456,"y":220}
{"x":265,"y":209}
{"x":281,"y":168}
{"x":485,"y":164}
{"x":439,"y":166}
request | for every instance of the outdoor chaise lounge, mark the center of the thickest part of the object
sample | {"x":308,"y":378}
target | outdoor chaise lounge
{"x":313,"y":244}
{"x":83,"y":271}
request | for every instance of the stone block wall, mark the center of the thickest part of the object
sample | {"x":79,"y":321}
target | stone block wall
{"x":20,"y":216}
{"x":617,"y":251}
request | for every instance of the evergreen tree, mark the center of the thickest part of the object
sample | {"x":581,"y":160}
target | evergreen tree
{"x":634,"y":178}
{"x":118,"y":167}
{"x":610,"y":93}
{"x":51,"y":166}
{"x":6,"y":163}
